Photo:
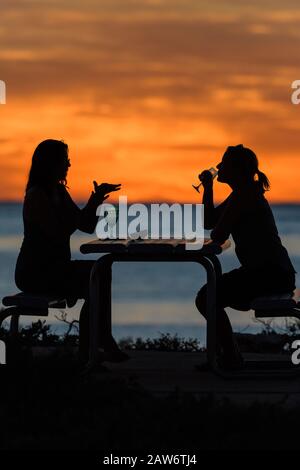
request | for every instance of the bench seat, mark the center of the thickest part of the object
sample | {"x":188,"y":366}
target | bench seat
{"x":30,"y":305}
{"x":34,"y":301}
{"x":276,"y":301}
{"x":277,"y":305}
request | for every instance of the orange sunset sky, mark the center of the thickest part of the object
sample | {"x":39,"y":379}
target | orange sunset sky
{"x":150,"y":92}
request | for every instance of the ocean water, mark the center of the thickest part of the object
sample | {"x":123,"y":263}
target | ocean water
{"x":148,"y":298}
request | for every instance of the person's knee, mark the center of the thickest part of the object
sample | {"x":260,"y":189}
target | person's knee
{"x":200,"y":301}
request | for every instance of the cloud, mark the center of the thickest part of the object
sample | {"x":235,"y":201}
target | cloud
{"x":174,"y":77}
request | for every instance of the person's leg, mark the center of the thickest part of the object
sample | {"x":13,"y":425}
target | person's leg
{"x":225,"y":341}
{"x":84,"y":330}
{"x":79,"y":285}
{"x":231,"y":290}
{"x":106,"y":339}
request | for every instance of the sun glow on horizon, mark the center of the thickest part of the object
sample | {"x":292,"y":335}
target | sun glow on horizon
{"x":149,"y":93}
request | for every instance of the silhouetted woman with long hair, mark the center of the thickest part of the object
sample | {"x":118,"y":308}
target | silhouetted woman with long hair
{"x":246,"y":215}
{"x":50,"y":217}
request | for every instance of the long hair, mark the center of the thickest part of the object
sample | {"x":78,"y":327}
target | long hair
{"x":46,"y":163}
{"x":247,"y":162}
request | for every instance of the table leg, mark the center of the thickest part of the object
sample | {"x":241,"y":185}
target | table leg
{"x":100,"y":303}
{"x":211,"y":332}
{"x":217,"y":265}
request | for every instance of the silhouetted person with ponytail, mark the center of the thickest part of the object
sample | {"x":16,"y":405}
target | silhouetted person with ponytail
{"x":246,"y":215}
{"x":50,"y":217}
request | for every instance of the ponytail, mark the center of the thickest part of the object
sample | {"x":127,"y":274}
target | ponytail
{"x":263,"y":180}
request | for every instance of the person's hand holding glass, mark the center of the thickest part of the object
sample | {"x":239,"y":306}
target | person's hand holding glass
{"x":206,"y":178}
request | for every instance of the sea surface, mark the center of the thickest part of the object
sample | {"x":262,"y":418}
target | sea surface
{"x":148,"y":298}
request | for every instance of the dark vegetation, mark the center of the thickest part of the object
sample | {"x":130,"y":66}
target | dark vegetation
{"x":271,"y":338}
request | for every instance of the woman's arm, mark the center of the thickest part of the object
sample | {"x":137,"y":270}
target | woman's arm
{"x":88,"y":218}
{"x":228,"y":219}
{"x":211,"y":213}
{"x":209,"y":208}
{"x":85,"y":219}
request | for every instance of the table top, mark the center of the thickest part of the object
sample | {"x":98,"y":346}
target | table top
{"x":141,"y":246}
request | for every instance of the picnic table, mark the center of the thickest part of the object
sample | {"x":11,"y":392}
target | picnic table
{"x":142,"y":250}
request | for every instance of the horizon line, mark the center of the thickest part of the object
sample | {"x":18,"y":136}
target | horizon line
{"x":155,"y":201}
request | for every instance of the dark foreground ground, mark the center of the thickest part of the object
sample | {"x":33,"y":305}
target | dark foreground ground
{"x":156,"y":400}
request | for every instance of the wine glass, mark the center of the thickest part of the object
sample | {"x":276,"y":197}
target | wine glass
{"x":214,"y":173}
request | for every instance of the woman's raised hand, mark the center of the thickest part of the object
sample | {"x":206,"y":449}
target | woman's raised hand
{"x":104,"y":189}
